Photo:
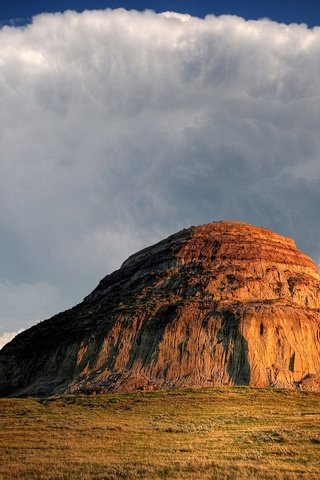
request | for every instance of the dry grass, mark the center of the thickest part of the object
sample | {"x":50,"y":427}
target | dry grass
{"x":232,"y":433}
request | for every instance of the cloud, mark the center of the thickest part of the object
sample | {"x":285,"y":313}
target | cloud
{"x":118,"y":128}
{"x":7,"y":337}
{"x":26,"y":303}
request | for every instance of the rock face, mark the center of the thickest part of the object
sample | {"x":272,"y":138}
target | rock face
{"x":219,"y":304}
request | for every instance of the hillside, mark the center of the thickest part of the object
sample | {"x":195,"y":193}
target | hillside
{"x":219,"y":304}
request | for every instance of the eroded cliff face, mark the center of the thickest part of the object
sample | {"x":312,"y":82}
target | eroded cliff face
{"x":219,"y":304}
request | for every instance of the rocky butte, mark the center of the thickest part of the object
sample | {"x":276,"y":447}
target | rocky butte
{"x":220,"y":304}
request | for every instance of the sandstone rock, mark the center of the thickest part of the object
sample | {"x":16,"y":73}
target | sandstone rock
{"x":219,"y":304}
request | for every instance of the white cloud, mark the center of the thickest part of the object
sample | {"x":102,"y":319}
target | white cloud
{"x":118,"y":128}
{"x":7,"y":337}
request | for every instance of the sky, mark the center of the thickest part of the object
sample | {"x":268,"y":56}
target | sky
{"x":121,"y":127}
{"x":287,"y":11}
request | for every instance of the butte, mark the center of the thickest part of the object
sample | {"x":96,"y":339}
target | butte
{"x":219,"y":304}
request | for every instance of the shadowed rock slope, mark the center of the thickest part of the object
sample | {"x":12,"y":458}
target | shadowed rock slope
{"x":220,"y":304}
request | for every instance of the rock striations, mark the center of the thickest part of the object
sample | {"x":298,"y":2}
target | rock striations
{"x":220,"y":304}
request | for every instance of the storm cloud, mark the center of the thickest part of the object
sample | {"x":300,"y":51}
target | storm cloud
{"x":119,"y":128}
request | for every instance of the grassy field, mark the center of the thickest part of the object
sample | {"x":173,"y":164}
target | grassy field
{"x":231,"y":433}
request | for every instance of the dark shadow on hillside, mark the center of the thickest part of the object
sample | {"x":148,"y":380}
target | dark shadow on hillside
{"x":236,"y":348}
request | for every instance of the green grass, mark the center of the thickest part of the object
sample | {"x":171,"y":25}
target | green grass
{"x":226,"y":433}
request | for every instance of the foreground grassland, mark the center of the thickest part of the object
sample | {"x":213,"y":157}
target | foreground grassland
{"x":232,"y":433}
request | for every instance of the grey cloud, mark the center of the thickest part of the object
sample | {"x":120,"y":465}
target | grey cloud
{"x":118,"y":128}
{"x":27,"y":303}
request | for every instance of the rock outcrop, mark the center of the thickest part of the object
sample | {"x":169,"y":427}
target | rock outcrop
{"x":219,"y":304}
